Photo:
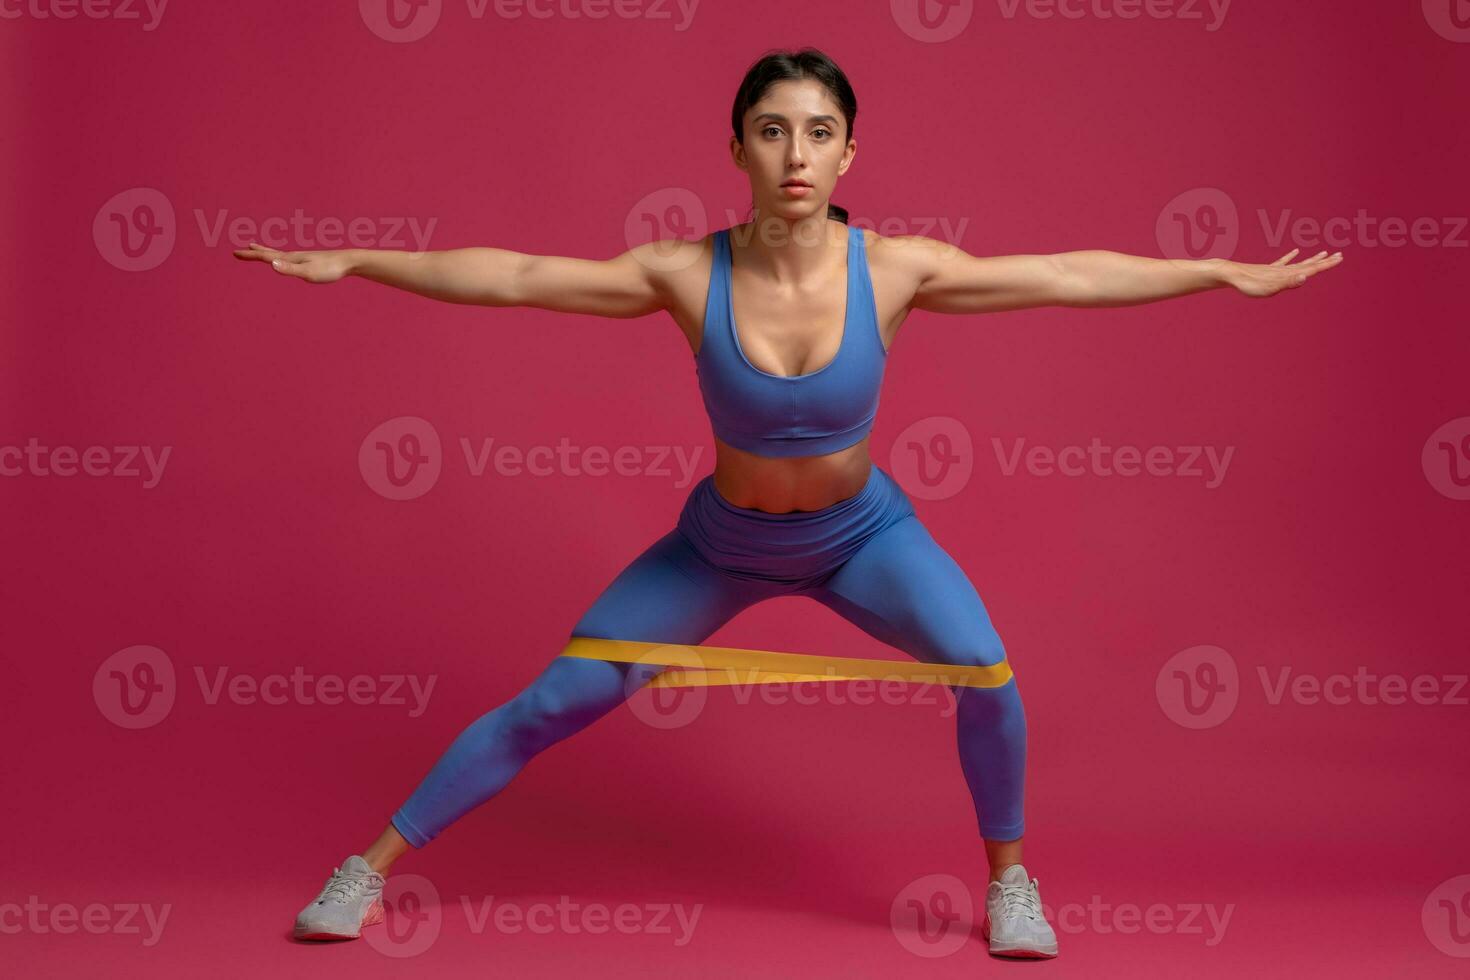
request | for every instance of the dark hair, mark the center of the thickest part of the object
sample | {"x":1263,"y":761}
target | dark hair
{"x":780,"y":66}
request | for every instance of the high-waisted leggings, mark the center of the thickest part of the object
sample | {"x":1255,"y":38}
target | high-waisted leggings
{"x":867,"y":557}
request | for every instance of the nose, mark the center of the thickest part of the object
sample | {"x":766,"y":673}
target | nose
{"x":794,"y":159}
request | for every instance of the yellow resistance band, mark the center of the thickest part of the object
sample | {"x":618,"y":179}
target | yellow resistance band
{"x":701,"y":666}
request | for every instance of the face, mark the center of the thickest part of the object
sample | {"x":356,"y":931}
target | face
{"x":795,"y":133}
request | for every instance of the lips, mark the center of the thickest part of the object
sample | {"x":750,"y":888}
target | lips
{"x":796,"y":183}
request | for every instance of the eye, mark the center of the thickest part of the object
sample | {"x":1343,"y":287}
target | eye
{"x":769,"y":128}
{"x":822,"y":129}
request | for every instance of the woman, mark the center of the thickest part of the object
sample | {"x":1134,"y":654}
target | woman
{"x":795,"y":505}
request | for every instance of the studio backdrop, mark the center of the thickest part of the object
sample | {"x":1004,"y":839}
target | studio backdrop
{"x":268,"y":546}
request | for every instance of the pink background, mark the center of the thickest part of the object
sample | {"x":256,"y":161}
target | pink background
{"x":1331,"y":831}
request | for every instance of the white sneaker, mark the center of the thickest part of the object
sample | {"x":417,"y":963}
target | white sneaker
{"x":1013,"y":920}
{"x":352,"y":898}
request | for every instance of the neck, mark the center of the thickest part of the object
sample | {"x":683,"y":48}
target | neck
{"x":787,"y":250}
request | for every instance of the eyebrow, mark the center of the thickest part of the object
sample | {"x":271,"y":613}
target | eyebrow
{"x":829,"y":120}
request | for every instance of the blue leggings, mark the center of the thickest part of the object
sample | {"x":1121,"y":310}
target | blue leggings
{"x":868,"y":558}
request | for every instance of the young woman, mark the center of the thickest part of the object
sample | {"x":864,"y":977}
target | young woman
{"x":790,"y":317}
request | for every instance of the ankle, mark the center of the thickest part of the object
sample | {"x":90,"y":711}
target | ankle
{"x":996,"y":870}
{"x":379,"y":863}
{"x":1001,"y":854}
{"x":389,"y":847}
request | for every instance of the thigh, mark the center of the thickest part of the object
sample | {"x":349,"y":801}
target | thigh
{"x":904,"y":589}
{"x":668,"y":594}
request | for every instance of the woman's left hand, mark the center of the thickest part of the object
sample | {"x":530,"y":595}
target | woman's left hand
{"x":1268,"y":280}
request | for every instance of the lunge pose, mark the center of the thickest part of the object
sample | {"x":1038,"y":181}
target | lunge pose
{"x":790,"y":318}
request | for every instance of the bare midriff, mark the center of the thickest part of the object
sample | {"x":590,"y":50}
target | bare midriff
{"x":780,"y":485}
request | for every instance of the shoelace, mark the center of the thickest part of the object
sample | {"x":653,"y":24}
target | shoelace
{"x":1020,"y":900}
{"x":343,"y":886}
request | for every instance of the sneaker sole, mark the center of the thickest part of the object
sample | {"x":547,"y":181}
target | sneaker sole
{"x":1044,"y":952}
{"x":373,"y":917}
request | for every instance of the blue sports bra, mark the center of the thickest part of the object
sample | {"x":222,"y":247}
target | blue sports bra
{"x":809,"y":414}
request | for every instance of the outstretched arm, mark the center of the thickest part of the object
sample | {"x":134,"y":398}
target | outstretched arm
{"x":948,"y":280}
{"x":628,"y":285}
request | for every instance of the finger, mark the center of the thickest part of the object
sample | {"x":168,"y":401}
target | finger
{"x":1286,"y":258}
{"x":258,"y":252}
{"x":1306,"y":271}
{"x":285,"y":268}
{"x":272,"y":253}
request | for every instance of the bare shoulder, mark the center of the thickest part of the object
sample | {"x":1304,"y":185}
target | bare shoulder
{"x":899,"y":266}
{"x":908,"y":258}
{"x":680,"y":271}
{"x":673,"y":262}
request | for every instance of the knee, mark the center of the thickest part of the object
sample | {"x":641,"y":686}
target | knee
{"x":982,"y":648}
{"x":570,"y":692}
{"x":996,"y":709}
{"x":541,"y":705}
{"x":536,"y":718}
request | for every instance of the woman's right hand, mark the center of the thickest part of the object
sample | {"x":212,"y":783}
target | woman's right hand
{"x":317,"y":267}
